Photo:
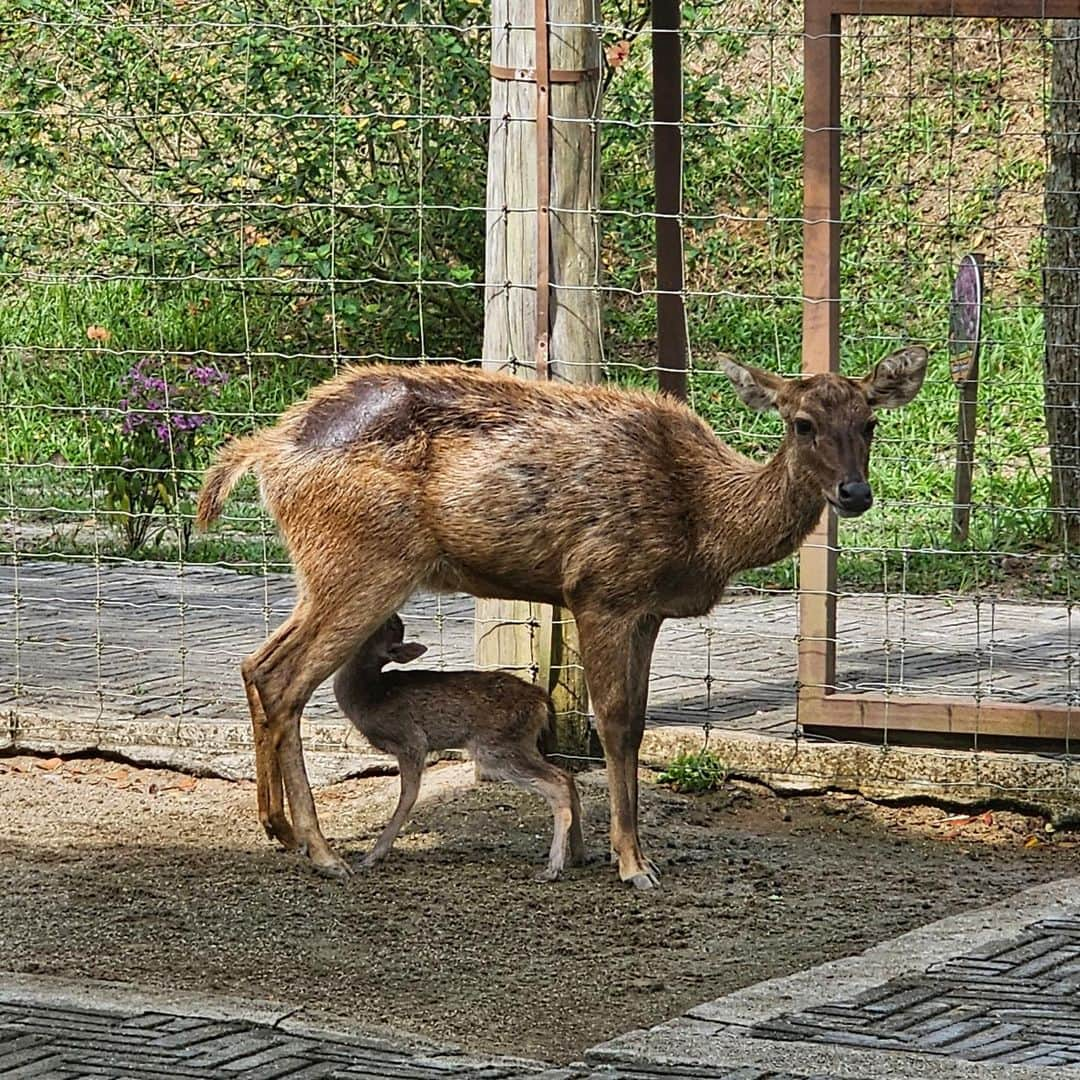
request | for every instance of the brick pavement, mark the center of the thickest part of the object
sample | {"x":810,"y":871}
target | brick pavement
{"x":1013,"y":1001}
{"x":70,"y":1043}
{"x":86,"y":648}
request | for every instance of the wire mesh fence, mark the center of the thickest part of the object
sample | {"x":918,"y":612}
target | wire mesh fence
{"x":203,"y":213}
{"x":948,"y":147}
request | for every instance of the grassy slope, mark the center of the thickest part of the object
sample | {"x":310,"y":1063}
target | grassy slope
{"x":939,"y":158}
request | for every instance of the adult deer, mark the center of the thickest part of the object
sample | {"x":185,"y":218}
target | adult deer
{"x":622,"y":506}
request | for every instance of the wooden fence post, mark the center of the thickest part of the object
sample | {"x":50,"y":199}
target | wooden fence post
{"x":559,"y":337}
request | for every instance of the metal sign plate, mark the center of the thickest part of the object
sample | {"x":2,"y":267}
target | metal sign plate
{"x":965,"y":318}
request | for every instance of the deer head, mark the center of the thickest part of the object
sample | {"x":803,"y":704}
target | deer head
{"x":388,"y":645}
{"x":830,"y":419}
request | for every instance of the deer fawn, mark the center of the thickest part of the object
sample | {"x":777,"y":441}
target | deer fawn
{"x":622,"y":506}
{"x":496,"y":716}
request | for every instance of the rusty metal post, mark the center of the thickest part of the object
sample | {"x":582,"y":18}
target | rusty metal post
{"x":821,"y":333}
{"x":667,"y":158}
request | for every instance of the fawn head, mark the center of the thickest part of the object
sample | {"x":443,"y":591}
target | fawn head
{"x":830,"y":418}
{"x":388,"y":645}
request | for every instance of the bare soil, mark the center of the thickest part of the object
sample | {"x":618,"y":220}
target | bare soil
{"x":147,"y":876}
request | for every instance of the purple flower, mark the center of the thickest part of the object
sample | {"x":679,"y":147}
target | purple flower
{"x":207,"y":375}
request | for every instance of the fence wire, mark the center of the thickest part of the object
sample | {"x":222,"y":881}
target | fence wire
{"x":202,"y":216}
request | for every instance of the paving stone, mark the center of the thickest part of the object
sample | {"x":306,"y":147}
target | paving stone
{"x":1014,"y":1014}
{"x":152,"y":641}
{"x":80,"y":1043}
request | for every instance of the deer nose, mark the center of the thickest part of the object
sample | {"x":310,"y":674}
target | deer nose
{"x":855,"y":496}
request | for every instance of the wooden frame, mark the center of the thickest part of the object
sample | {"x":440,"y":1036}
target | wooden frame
{"x":820,"y":707}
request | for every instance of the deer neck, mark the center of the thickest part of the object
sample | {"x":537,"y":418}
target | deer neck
{"x":763,"y":512}
{"x":360,"y":683}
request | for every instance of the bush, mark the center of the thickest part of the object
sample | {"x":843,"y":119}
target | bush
{"x":149,"y":451}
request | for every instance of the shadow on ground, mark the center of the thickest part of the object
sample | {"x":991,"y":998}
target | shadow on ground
{"x":135,"y":875}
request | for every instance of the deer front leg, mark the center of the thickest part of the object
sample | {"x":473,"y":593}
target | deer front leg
{"x":642,"y":645}
{"x":608,"y":648}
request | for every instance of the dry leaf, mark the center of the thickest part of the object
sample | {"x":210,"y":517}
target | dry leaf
{"x":117,"y":775}
{"x":50,"y":764}
{"x":1033,"y":841}
{"x":186,"y":783}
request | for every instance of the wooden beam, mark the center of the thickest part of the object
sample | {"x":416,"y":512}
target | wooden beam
{"x":542,"y":307}
{"x":821,"y":325}
{"x":961,"y":716}
{"x":667,"y":163}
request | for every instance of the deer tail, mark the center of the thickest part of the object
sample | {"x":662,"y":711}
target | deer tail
{"x":232,"y":461}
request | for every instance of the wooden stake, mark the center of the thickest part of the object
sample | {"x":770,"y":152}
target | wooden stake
{"x":542,"y":313}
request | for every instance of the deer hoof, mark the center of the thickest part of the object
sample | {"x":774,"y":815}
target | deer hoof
{"x":372,"y":858}
{"x":335,"y":868}
{"x":280,"y":831}
{"x":549,"y":873}
{"x":646,"y":876}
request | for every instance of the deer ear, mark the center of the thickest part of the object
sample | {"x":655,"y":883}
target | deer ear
{"x":757,"y":389}
{"x":405,"y":651}
{"x":896,"y":379}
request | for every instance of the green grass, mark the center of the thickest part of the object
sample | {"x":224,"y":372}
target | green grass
{"x":902,"y":239}
{"x":695,"y":772}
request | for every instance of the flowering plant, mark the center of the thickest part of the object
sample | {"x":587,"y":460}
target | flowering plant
{"x":148,"y":450}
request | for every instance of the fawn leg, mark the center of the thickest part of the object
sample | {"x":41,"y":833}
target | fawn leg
{"x":411,"y":768}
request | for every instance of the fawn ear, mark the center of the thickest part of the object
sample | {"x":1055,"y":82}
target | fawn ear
{"x":896,"y":379}
{"x":405,"y":651}
{"x":757,"y":389}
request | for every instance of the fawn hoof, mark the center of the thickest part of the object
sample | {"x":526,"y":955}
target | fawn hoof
{"x":372,"y":858}
{"x":549,"y":873}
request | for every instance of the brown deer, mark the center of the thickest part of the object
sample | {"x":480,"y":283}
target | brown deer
{"x":496,"y":716}
{"x":621,"y":505}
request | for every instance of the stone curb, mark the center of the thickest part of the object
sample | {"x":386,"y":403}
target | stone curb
{"x":960,"y":778}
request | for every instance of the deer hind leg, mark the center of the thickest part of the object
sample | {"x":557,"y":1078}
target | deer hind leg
{"x":616,"y":655}
{"x":267,"y":774}
{"x":313,"y":643}
{"x":411,"y":768}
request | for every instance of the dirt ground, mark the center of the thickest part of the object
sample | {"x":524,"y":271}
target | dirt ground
{"x":147,"y":876}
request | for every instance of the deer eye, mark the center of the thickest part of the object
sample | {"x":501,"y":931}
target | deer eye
{"x":803,"y":427}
